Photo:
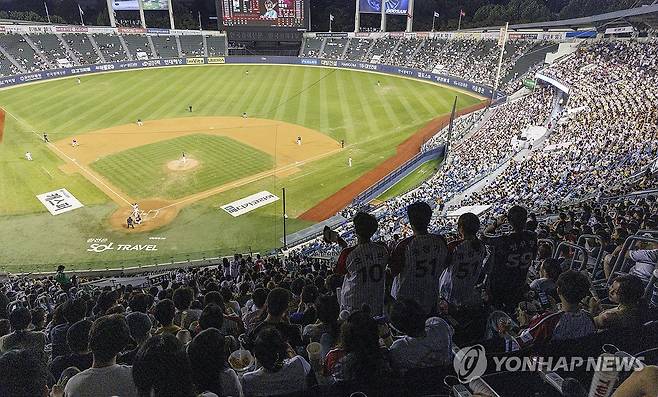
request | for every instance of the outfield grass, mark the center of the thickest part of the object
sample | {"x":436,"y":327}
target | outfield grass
{"x":142,"y":171}
{"x":342,"y":104}
{"x":414,"y":179}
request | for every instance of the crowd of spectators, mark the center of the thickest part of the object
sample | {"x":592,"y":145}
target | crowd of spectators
{"x":255,"y":326}
{"x":608,"y":131}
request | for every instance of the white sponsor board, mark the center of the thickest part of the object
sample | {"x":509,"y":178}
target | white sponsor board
{"x":250,"y":203}
{"x":59,"y":201}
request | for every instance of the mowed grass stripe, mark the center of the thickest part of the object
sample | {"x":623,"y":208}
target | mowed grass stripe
{"x":142,"y":172}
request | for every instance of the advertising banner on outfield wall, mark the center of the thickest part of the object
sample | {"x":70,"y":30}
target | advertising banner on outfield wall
{"x":59,"y":201}
{"x":479,"y":89}
{"x":250,"y":203}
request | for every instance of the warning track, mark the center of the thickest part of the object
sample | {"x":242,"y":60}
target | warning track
{"x":405,"y":151}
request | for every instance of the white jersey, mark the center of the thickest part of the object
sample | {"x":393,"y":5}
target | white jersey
{"x":364,"y":267}
{"x":457,"y":285}
{"x":417,"y":263}
{"x":234,"y":269}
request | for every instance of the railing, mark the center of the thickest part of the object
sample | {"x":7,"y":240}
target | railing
{"x":619,"y":265}
{"x":577,"y":249}
{"x":125,"y":266}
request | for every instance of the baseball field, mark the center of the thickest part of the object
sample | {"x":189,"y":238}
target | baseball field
{"x":181,"y":166}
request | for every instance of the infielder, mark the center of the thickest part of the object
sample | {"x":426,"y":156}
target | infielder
{"x":74,"y":143}
{"x":45,"y":138}
{"x":28,"y":156}
{"x":299,"y":141}
{"x":139,"y":122}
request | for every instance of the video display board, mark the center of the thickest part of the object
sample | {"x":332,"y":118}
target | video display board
{"x":292,"y":14}
{"x":133,"y":5}
{"x":393,"y":7}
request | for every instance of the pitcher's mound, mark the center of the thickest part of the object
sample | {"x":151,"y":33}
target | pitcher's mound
{"x":180,"y":165}
{"x":155,"y":214}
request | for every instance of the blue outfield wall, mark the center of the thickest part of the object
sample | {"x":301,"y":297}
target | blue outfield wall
{"x":396,"y":176}
{"x":477,"y":89}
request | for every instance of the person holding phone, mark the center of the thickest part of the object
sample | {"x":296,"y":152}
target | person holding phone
{"x":363,"y":266}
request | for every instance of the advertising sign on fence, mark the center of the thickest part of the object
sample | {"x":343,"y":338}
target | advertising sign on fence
{"x":250,"y":203}
{"x":59,"y":201}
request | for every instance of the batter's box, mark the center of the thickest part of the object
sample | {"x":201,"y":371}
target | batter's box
{"x":150,"y":214}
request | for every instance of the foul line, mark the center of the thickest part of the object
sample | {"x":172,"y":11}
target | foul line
{"x":247,"y":180}
{"x":72,"y":160}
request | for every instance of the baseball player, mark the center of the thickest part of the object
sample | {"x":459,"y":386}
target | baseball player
{"x":129,"y":223}
{"x":349,"y":162}
{"x":379,"y":84}
{"x":78,"y":80}
{"x":135,"y":208}
{"x":28,"y":156}
{"x":45,"y":138}
{"x":244,"y":115}
{"x":418,"y":261}
{"x":138,"y":219}
{"x":74,"y":142}
{"x":246,"y":72}
{"x":190,"y":108}
{"x":183,"y":158}
{"x":363,"y":265}
{"x":342,"y":144}
{"x":299,"y":141}
{"x":465,"y":260}
{"x":139,"y":122}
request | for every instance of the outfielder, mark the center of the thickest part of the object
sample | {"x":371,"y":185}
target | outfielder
{"x":28,"y":156}
{"x":349,"y":162}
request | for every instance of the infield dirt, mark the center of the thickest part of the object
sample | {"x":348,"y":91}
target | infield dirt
{"x":272,"y":137}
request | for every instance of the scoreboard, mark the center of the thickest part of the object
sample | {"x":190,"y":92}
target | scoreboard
{"x":290,"y":14}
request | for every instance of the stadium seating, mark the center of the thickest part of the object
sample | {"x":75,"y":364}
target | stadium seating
{"x":22,"y":52}
{"x":138,"y":44}
{"x":357,"y":49}
{"x":405,"y":51}
{"x":51,"y":47}
{"x":82,"y":48}
{"x":334,"y":48}
{"x":312,"y":47}
{"x":191,"y":46}
{"x":471,"y":59}
{"x":216,"y":46}
{"x":111,"y":48}
{"x":165,"y":46}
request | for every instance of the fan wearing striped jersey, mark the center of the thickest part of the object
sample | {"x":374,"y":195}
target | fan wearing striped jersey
{"x":418,"y":261}
{"x":363,"y":267}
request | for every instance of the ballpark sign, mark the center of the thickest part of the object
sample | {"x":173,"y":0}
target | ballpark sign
{"x":250,"y":203}
{"x":59,"y":201}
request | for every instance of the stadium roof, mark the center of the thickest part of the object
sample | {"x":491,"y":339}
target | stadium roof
{"x":645,"y":15}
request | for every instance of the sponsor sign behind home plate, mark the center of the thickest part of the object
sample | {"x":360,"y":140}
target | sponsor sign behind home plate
{"x":250,"y":203}
{"x":59,"y":201}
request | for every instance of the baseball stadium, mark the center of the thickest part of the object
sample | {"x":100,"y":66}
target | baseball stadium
{"x":473,"y":183}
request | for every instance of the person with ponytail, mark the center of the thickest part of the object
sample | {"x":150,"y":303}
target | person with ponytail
{"x":281,"y":371}
{"x":210,"y":370}
{"x":465,"y":261}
